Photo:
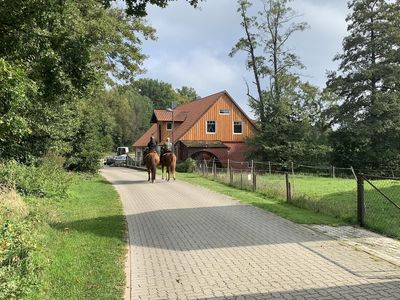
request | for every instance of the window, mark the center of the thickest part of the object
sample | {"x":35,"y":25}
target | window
{"x":224,"y":111}
{"x":237,"y":127}
{"x":211,"y":127}
{"x":169,"y":126}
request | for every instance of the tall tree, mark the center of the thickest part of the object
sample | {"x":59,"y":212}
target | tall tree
{"x":187,"y":94}
{"x":138,"y":7}
{"x":283,"y":102}
{"x":68,"y":49}
{"x":160,"y":93}
{"x":368,"y":85}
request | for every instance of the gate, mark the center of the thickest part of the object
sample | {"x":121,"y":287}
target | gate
{"x":378,"y":203}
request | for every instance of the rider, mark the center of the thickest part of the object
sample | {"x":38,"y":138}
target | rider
{"x":167,"y":147}
{"x":152,"y":144}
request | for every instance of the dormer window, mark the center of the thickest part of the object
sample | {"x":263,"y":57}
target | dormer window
{"x":169,"y":126}
{"x":224,"y":112}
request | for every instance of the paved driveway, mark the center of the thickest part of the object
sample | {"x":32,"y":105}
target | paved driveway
{"x":190,"y":243}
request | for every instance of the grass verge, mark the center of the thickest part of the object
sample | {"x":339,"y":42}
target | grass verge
{"x":82,"y":244}
{"x":274,"y":205}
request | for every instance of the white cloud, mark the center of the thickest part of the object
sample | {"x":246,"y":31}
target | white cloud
{"x":193,"y":44}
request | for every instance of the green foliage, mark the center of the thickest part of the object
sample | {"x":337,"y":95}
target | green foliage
{"x":296,"y":127}
{"x":138,"y":8}
{"x":187,"y":94}
{"x":160,"y":93}
{"x":367,"y":116}
{"x":47,"y":179}
{"x":290,"y":113}
{"x":18,"y":269}
{"x":14,"y":104}
{"x":188,"y":166}
{"x":130,"y":111}
{"x":65,"y":51}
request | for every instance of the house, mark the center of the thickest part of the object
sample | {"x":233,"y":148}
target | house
{"x":213,"y":127}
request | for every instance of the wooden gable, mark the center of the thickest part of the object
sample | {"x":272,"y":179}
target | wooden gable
{"x":224,"y":123}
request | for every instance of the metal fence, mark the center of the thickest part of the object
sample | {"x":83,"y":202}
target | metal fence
{"x":328,"y":190}
{"x":379,"y":203}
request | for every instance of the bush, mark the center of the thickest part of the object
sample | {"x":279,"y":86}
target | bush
{"x":47,"y":179}
{"x":18,"y":270}
{"x":188,"y":166}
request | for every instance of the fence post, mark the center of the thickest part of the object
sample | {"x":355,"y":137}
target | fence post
{"x":253,"y":176}
{"x":227,"y":170}
{"x":333,"y":172}
{"x":241,"y":179}
{"x":230,"y":176}
{"x":354,"y":173}
{"x":269,"y":167}
{"x":360,"y":201}
{"x":288,"y":189}
{"x":292,"y":169}
{"x":213,"y":167}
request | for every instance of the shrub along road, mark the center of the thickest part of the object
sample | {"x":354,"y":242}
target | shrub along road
{"x":187,"y":242}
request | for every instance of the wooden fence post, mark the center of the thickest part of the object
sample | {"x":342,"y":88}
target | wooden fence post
{"x":288,"y":189}
{"x":253,"y":176}
{"x":354,"y":173}
{"x":213,"y":167}
{"x":360,"y":201}
{"x":333,"y":172}
{"x":292,"y":169}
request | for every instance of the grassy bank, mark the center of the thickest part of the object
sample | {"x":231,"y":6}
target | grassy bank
{"x":275,"y":205}
{"x":78,"y":246}
{"x":84,"y":243}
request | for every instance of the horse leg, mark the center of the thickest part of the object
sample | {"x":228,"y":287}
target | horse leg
{"x":153,"y":175}
{"x":162,"y":171}
{"x":148,"y":173}
{"x":173,"y":172}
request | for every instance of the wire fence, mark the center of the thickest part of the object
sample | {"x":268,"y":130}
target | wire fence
{"x":324,"y":189}
{"x":379,"y":203}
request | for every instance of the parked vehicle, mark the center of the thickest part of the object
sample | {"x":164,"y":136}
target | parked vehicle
{"x":120,"y":160}
{"x":109,"y":160}
{"x":122,"y":150}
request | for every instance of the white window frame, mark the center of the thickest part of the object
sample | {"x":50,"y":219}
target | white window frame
{"x":215,"y":127}
{"x":224,"y":111}
{"x":166,"y":126}
{"x":233,"y":127}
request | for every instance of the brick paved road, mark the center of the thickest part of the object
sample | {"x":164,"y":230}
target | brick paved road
{"x":189,"y":243}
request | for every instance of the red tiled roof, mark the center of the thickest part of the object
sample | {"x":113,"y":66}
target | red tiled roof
{"x":166,"y":116}
{"x":145,"y":138}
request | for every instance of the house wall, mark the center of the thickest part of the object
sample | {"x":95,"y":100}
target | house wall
{"x":224,"y":124}
{"x":164,"y":132}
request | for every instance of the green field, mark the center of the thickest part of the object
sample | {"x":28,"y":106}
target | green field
{"x":336,"y":197}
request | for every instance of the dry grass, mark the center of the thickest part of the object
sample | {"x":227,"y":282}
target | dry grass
{"x":12,"y":207}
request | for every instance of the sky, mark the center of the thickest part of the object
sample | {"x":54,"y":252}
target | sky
{"x":193,"y":45}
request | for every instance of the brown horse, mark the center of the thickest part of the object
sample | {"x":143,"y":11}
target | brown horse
{"x":152,"y":160}
{"x":168,"y":160}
